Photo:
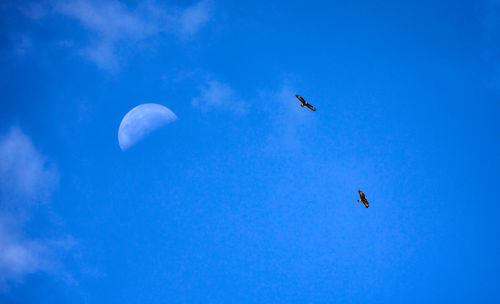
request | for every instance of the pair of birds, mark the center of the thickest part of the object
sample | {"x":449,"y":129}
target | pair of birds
{"x":361,"y":194}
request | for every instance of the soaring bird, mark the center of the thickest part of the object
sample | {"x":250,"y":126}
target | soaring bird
{"x":305,"y":103}
{"x":363,"y":199}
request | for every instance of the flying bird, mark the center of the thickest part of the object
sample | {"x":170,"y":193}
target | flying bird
{"x":363,"y":199}
{"x":305,"y":103}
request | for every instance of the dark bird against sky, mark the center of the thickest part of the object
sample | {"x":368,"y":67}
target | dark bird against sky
{"x":305,"y":103}
{"x":363,"y":199}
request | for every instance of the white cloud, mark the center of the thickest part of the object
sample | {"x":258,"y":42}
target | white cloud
{"x":110,"y":23}
{"x":26,"y":179}
{"x":218,"y":95}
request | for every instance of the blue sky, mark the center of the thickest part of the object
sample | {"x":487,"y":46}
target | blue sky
{"x":247,"y":197}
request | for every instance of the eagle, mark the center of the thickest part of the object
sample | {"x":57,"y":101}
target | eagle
{"x":363,"y":199}
{"x":305,"y":103}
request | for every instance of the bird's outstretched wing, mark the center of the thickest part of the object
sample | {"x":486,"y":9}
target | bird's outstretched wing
{"x":300,"y":98}
{"x":310,"y":107}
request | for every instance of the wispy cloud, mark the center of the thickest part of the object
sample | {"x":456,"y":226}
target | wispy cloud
{"x":20,"y":256}
{"x":192,"y":18}
{"x":111,"y":23}
{"x":26,"y":179}
{"x":108,"y":24}
{"x":216,"y":95}
{"x":288,"y":119}
{"x":114,"y":27}
{"x":24,"y":173}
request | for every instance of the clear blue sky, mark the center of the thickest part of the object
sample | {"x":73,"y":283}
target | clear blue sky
{"x":247,"y":197}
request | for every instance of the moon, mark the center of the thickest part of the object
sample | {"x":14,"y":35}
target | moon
{"x":141,"y":121}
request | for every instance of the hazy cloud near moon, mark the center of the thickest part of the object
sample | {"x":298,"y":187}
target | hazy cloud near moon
{"x":142,"y":120}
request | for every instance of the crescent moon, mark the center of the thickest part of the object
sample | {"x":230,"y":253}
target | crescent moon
{"x":141,"y":121}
